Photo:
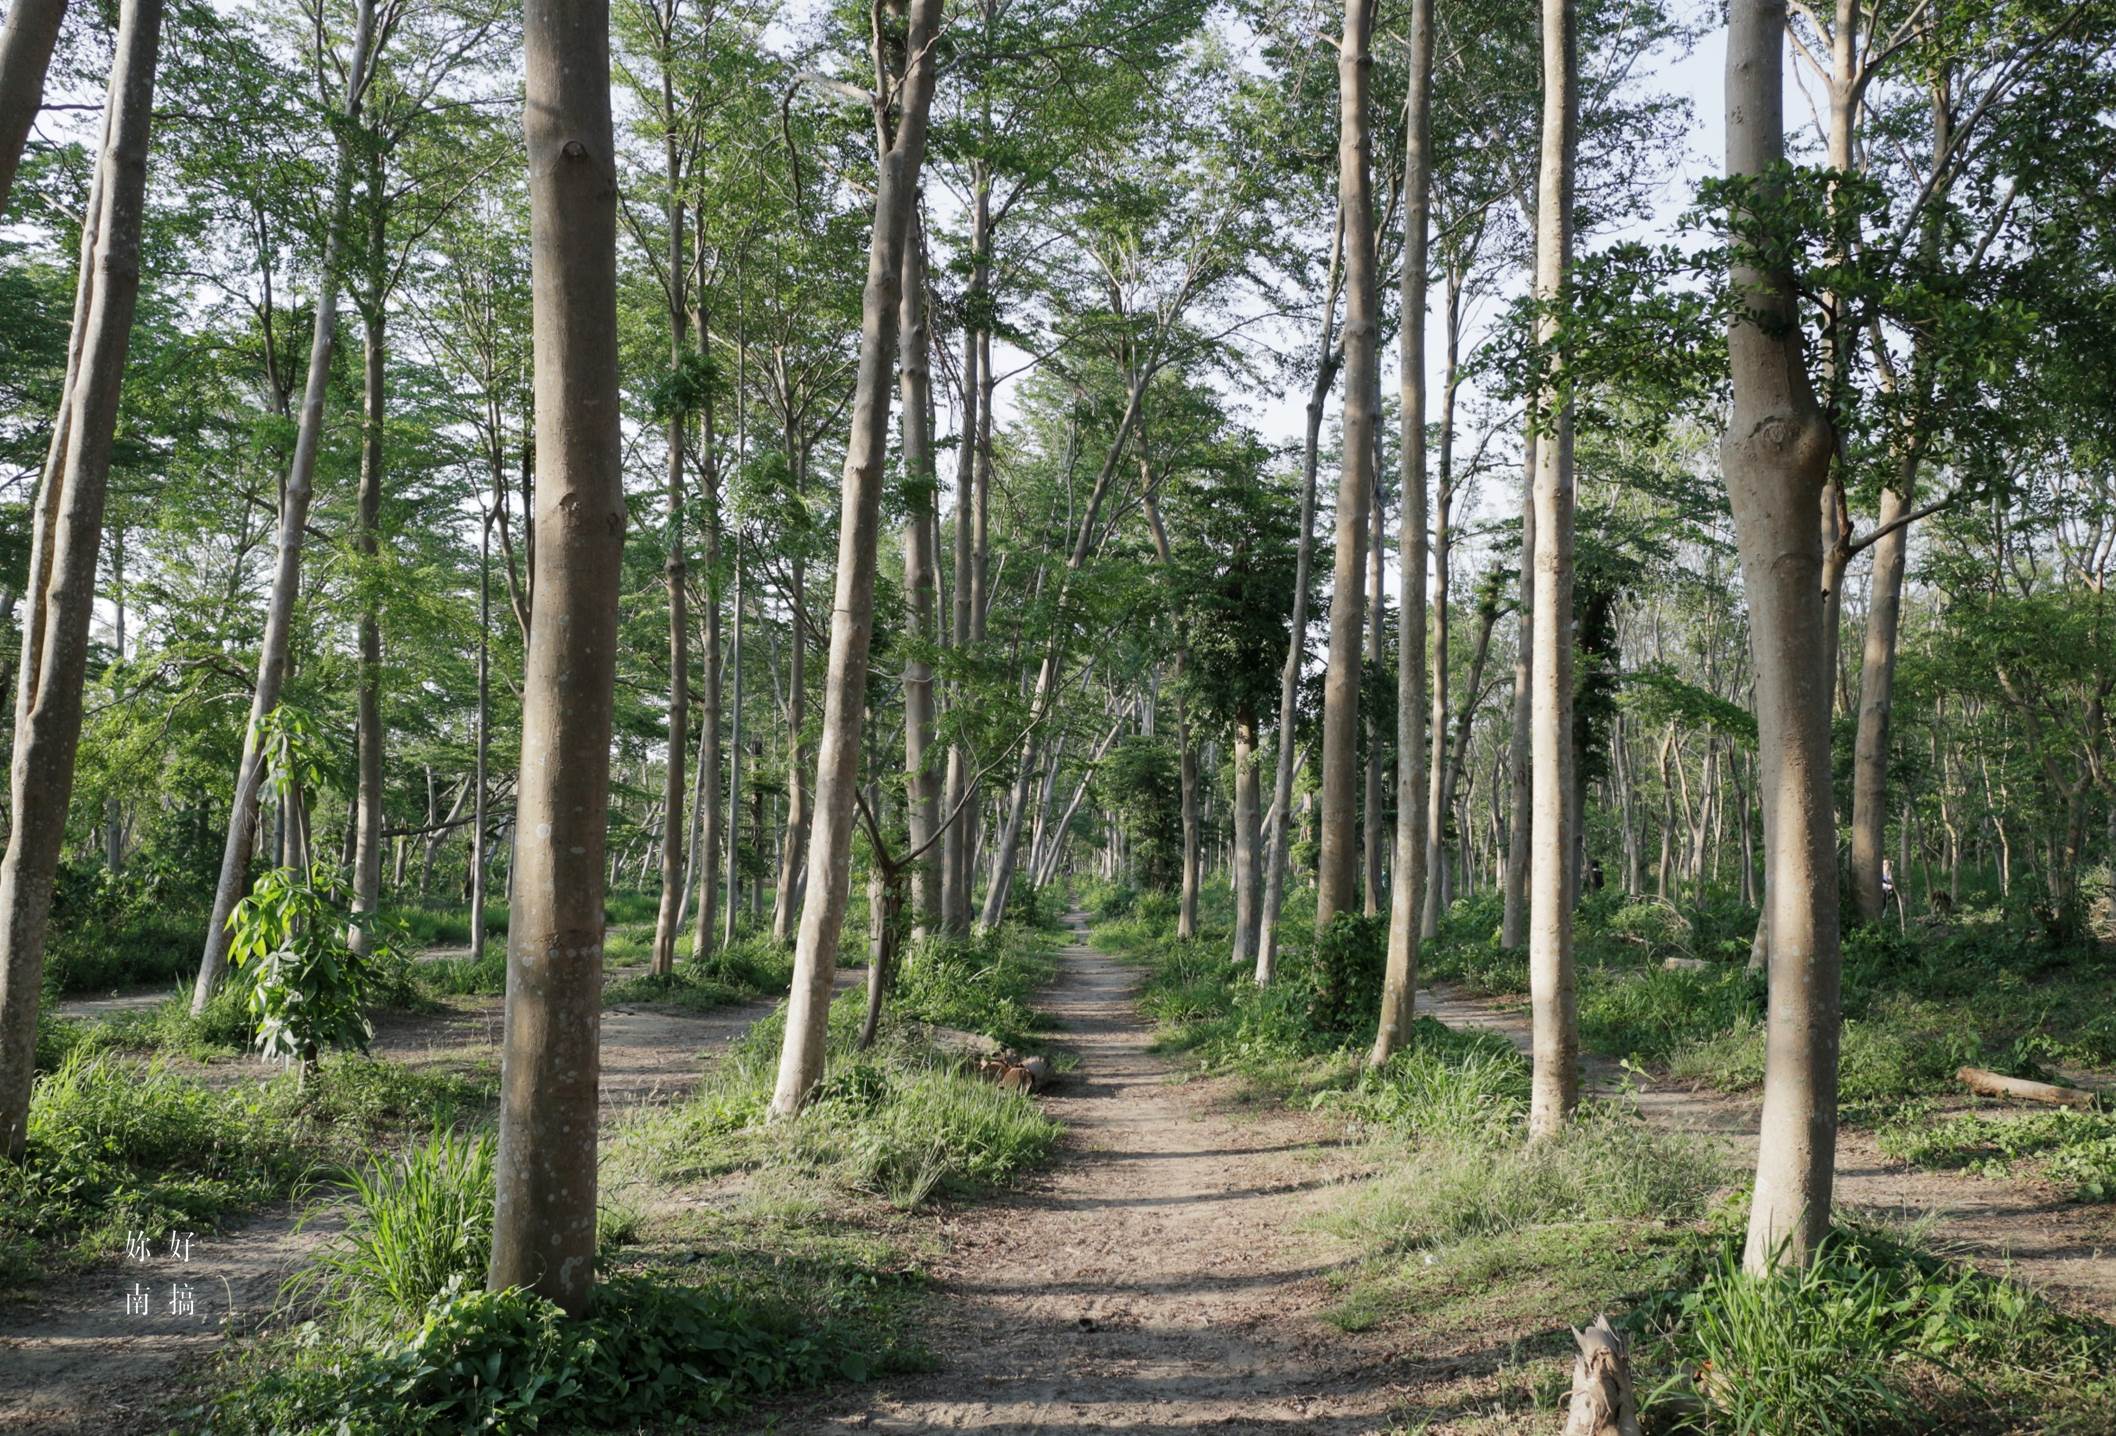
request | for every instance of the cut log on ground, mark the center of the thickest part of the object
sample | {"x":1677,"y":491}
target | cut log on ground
{"x":1603,"y":1401}
{"x":1686,"y":964}
{"x":1997,"y":1084}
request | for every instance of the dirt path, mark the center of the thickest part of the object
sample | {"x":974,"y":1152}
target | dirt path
{"x":1155,"y":1279}
{"x":2066,"y":1249}
{"x":73,"y":1357}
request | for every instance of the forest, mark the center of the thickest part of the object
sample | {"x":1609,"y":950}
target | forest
{"x":1149,"y":715}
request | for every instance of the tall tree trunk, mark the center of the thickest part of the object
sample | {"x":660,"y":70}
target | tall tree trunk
{"x":1338,"y":876}
{"x":1371,"y":804}
{"x":954,"y":862}
{"x":732,"y":902}
{"x":479,"y":838}
{"x":274,"y":652}
{"x":1248,"y":867}
{"x":712,"y":823}
{"x":1400,"y":974}
{"x":794,"y":842}
{"x":367,"y":739}
{"x":675,"y":572}
{"x":543,"y":1230}
{"x":1884,"y":612}
{"x":1776,"y":455}
{"x":26,"y":42}
{"x":1520,"y":823}
{"x":62,"y":596}
{"x":1440,"y":790}
{"x":1552,"y":998}
{"x":922,"y":805}
{"x":852,"y":612}
{"x":1280,"y":825}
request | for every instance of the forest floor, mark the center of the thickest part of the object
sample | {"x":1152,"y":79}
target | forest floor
{"x":72,"y":1358}
{"x":2026,"y":1229}
{"x":1162,"y":1275}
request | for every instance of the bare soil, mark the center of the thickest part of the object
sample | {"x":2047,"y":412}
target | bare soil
{"x":1158,"y":1277}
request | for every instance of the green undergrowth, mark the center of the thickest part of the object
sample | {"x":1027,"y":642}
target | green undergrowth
{"x":903,"y":1120}
{"x":1874,"y":1337}
{"x":117,"y":1146}
{"x":2073,"y":1149}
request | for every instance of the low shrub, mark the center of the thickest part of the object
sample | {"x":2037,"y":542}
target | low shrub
{"x":901,"y":1120}
{"x":511,"y":1361}
{"x":1873,"y":1337}
{"x":114,"y":1148}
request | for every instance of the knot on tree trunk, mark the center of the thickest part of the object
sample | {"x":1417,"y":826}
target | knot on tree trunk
{"x":1603,"y":1401}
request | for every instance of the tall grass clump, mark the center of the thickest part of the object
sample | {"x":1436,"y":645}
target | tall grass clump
{"x":902,"y":1120}
{"x":1873,"y":1337}
{"x":1606,"y":1166}
{"x":1445,"y":1084}
{"x":415,"y":1222}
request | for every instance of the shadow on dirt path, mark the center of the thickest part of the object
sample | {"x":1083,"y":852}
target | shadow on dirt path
{"x":1155,"y":1279}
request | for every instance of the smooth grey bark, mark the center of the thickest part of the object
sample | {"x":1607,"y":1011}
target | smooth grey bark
{"x":712,"y":823}
{"x":1440,"y":788}
{"x":954,"y":862}
{"x":1553,"y":998}
{"x":1776,"y":455}
{"x":922,"y":806}
{"x":274,"y":651}
{"x":675,"y":572}
{"x":1248,"y":844}
{"x":1520,"y":825}
{"x":26,"y":43}
{"x":543,"y":1234}
{"x":69,"y":523}
{"x":732,"y":904}
{"x":1279,"y":826}
{"x":1337,"y":877}
{"x":852,"y":611}
{"x":1406,"y":900}
{"x":479,"y":838}
{"x":1372,"y":864}
{"x":367,"y":726}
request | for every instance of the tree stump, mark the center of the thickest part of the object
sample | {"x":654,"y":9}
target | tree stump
{"x":1603,"y":1401}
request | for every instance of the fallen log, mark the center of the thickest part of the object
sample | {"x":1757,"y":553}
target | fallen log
{"x":1604,"y":1402}
{"x":1997,"y":1084}
{"x":1685,"y":964}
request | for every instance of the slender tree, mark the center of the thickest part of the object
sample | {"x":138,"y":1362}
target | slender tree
{"x":544,"y":1213}
{"x":1338,"y":877}
{"x":1776,"y":455}
{"x":852,"y":612}
{"x":66,"y":545}
{"x":275,"y":652}
{"x":26,"y":43}
{"x":1406,"y":900}
{"x":1552,"y":998}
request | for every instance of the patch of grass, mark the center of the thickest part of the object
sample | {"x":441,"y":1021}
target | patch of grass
{"x":1607,"y":1165}
{"x":901,"y":1120}
{"x":652,"y":1349}
{"x":984,"y":983}
{"x":684,"y":988}
{"x":115,"y":1147}
{"x":1873,"y":1337}
{"x":1647,"y":1015}
{"x":468,"y":976}
{"x":362,"y":1097}
{"x":1903,"y":1049}
{"x":2073,"y":1148}
{"x":417,"y":1223}
{"x":1444,"y":1084}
